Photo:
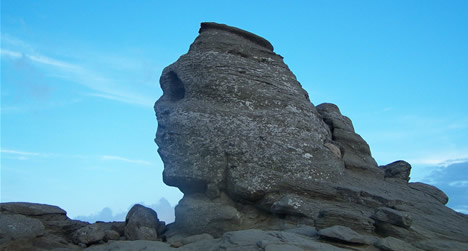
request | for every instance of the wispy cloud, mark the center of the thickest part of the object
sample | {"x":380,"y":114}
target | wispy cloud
{"x":442,"y":159}
{"x":7,"y":151}
{"x":459,"y":183}
{"x":18,"y":155}
{"x":24,"y":155}
{"x":9,"y":53}
{"x":105,"y":82}
{"x":118,"y":158}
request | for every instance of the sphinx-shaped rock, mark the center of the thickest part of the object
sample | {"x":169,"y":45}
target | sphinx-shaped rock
{"x":233,"y":117}
{"x":240,"y":138}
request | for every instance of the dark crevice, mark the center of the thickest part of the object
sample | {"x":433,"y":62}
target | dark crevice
{"x":175,"y":87}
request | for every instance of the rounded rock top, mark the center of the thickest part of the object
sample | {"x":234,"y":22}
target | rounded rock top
{"x":245,"y":34}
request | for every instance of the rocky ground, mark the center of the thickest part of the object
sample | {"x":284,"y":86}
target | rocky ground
{"x":261,"y":168}
{"x":29,"y":226}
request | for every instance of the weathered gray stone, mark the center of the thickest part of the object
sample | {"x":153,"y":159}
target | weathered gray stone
{"x":356,"y":152}
{"x":255,"y":126}
{"x":196,"y":238}
{"x":29,"y":209}
{"x":253,"y":239}
{"x":141,"y":223}
{"x":438,"y":244}
{"x":239,"y":137}
{"x":393,"y":216}
{"x":282,"y":247}
{"x":394,"y":244}
{"x":398,"y":170}
{"x":331,"y":217}
{"x":331,"y":115}
{"x":303,"y":230}
{"x":117,"y":226}
{"x":342,"y":233}
{"x":196,"y":214}
{"x":111,"y":235}
{"x":88,"y":235}
{"x":15,"y":226}
{"x":431,"y":191}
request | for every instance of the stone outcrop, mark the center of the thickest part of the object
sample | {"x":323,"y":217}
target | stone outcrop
{"x":261,"y":168}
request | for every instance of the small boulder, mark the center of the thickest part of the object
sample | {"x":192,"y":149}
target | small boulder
{"x":89,"y":234}
{"x":398,"y":170}
{"x":141,"y":223}
{"x":342,"y":233}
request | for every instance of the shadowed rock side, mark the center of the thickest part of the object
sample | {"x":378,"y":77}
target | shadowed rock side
{"x":240,"y":138}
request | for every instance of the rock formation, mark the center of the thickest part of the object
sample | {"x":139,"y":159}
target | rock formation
{"x":261,"y":168}
{"x":240,"y":138}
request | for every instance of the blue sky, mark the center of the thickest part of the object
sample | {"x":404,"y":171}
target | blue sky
{"x":79,"y":79}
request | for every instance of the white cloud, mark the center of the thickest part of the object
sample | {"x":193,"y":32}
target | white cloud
{"x":449,"y":162}
{"x":459,"y":183}
{"x":118,"y":158}
{"x":7,"y":151}
{"x":23,"y":155}
{"x":9,"y":53}
{"x":107,"y":84}
{"x":440,"y":159}
{"x":423,"y":167}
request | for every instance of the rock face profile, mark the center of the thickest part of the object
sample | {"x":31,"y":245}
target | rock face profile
{"x":261,"y":168}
